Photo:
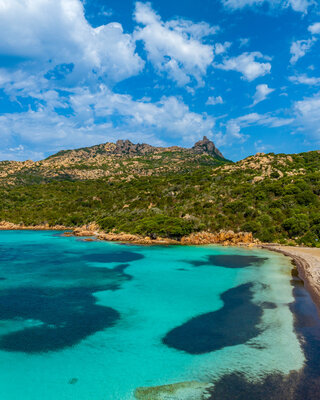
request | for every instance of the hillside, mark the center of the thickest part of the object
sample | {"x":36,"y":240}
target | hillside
{"x":170,"y":192}
{"x":122,"y":160}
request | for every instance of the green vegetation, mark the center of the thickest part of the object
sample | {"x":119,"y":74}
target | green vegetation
{"x":282,"y":207}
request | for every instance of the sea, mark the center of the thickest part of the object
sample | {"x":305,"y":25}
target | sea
{"x":94,"y":320}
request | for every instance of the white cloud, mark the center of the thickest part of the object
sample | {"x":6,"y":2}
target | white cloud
{"x":262,"y":119}
{"x":212,"y":101}
{"x":304,"y":79}
{"x":169,"y":115}
{"x":57,"y":32}
{"x":244,"y":42}
{"x":220,"y":48}
{"x":45,"y":130}
{"x":262,"y":92}
{"x":70,"y":68}
{"x":260,"y":146}
{"x":314,"y":28}
{"x":174,"y":47}
{"x":233,"y":130}
{"x":299,"y":48}
{"x":308,"y":115}
{"x":189,"y":29}
{"x":247,"y":65}
{"x":296,"y":5}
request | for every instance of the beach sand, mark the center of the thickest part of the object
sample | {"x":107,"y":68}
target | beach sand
{"x":307,"y":260}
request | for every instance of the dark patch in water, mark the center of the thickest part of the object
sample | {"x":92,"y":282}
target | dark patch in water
{"x":307,"y":325}
{"x":73,"y":381}
{"x":225,"y":327}
{"x":67,"y":317}
{"x":55,"y":287}
{"x":2,"y":279}
{"x":235,"y":386}
{"x":229,"y":261}
{"x":302,"y":385}
{"x":256,"y":346}
{"x":267,"y":305}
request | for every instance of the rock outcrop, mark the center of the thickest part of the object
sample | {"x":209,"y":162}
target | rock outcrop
{"x":226,"y":238}
{"x":127,"y":147}
{"x":7,"y":226}
{"x":206,"y":146}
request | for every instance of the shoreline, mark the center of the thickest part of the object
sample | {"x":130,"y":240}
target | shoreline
{"x":9,"y":226}
{"x":225,"y":238}
{"x":307,"y":261}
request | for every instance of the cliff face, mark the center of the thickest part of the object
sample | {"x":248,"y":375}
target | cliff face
{"x":120,"y":160}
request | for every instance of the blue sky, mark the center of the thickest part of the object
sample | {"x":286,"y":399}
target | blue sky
{"x":245,"y":73}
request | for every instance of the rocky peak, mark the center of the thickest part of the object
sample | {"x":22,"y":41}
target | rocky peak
{"x":127,"y":147}
{"x":206,"y":146}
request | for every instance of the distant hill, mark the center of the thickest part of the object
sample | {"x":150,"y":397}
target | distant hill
{"x":171,"y":192}
{"x":121,"y":159}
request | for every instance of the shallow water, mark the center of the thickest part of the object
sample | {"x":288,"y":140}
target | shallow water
{"x":95,"y":320}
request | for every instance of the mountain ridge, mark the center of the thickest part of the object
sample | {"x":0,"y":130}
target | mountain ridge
{"x":126,"y":147}
{"x":111,"y":159}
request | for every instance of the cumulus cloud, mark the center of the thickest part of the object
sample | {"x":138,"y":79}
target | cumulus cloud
{"x":304,"y":79}
{"x":299,"y":48}
{"x":247,"y":65}
{"x":212,"y":101}
{"x":170,"y":115}
{"x":296,"y":5}
{"x":174,"y":47}
{"x":308,"y":116}
{"x":68,"y":69}
{"x":93,"y":121}
{"x":314,"y":28}
{"x":57,"y":32}
{"x":262,"y":92}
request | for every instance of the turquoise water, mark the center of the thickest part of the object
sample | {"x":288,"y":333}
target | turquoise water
{"x":95,"y":320}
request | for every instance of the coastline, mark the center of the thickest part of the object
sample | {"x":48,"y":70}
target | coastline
{"x":307,"y":261}
{"x":225,"y":238}
{"x":9,"y":226}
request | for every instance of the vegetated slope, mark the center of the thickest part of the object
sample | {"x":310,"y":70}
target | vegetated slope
{"x":274,"y":196}
{"x":122,"y":160}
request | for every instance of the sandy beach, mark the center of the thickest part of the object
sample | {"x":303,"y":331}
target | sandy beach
{"x":307,"y":260}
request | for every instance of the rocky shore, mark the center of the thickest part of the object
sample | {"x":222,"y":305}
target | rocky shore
{"x":226,"y":238}
{"x":307,"y":260}
{"x":8,"y":226}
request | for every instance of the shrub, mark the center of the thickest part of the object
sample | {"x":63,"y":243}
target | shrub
{"x":165,"y":226}
{"x":107,"y":223}
{"x":296,"y":226}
